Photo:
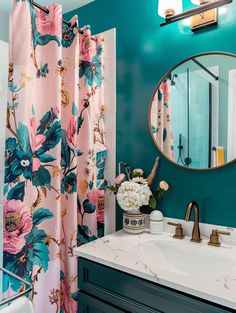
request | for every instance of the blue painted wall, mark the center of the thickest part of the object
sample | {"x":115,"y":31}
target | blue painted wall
{"x":145,"y":52}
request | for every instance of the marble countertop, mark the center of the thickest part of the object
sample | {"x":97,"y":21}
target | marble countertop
{"x":124,"y":252}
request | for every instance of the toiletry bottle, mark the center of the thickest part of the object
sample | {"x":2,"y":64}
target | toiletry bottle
{"x":156,"y":222}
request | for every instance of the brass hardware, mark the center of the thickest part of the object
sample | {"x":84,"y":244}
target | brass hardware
{"x":204,"y":1}
{"x":169,"y":13}
{"x":196,"y":236}
{"x":204,"y":19}
{"x":215,"y":238}
{"x":179,"y":232}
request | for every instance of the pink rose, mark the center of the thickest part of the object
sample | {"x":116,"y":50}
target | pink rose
{"x":36,"y":141}
{"x":93,"y":195}
{"x":163,"y":185}
{"x":71,"y":133}
{"x":138,"y":172}
{"x":88,"y":47}
{"x":119,"y":179}
{"x":17,"y":224}
{"x":50,"y":24}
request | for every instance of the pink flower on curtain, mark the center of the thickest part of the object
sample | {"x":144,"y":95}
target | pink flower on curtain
{"x":165,"y":90}
{"x":71,"y":133}
{"x":88,"y":48}
{"x":17,"y":224}
{"x":36,"y":142}
{"x":50,"y":24}
{"x":94,"y":195}
{"x":56,"y":110}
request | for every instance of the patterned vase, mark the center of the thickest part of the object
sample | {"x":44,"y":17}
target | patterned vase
{"x":133,"y":222}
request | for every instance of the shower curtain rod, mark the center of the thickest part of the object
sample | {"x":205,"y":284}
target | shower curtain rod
{"x":47,"y":12}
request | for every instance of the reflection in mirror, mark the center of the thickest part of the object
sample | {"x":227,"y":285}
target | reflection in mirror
{"x":193,"y":115}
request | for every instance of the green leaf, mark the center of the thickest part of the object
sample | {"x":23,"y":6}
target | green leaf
{"x":33,"y":110}
{"x":46,"y":121}
{"x":152,"y":202}
{"x":37,"y":252}
{"x":113,"y":189}
{"x":42,"y":178}
{"x":45,"y":39}
{"x":79,"y":153}
{"x":65,"y":150}
{"x":74,"y":109}
{"x":88,"y":207}
{"x":23,"y":135}
{"x":46,"y":158}
{"x":53,"y":136}
{"x":17,"y":192}
{"x":84,"y":235}
{"x":41,"y":215}
{"x":80,"y":123}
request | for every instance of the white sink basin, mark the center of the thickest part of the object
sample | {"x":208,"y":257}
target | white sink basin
{"x":187,"y":258}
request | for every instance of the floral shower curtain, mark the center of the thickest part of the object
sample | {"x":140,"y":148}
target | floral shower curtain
{"x":55,"y":153}
{"x":161,"y":119}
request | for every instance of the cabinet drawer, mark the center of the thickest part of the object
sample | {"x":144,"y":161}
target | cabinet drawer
{"x":137,"y":295}
{"x":88,"y":304}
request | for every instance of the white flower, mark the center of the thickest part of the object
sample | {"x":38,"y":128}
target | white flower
{"x":163,"y":185}
{"x":140,"y":180}
{"x":131,"y":195}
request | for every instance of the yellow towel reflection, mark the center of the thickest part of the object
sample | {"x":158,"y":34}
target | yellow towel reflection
{"x":219,"y":156}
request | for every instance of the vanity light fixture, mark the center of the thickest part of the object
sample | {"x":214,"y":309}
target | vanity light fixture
{"x":170,"y":8}
{"x":206,"y":6}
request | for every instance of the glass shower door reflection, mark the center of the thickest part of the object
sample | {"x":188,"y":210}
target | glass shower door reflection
{"x":199,"y":120}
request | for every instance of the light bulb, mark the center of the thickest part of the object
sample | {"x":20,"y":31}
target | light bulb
{"x":187,"y":21}
{"x":167,"y":8}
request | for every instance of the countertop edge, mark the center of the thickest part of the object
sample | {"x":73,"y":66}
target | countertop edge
{"x":160,"y":281}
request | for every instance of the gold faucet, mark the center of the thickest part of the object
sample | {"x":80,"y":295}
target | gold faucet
{"x":196,"y":236}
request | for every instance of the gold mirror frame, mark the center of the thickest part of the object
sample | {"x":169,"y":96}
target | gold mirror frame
{"x":150,"y":108}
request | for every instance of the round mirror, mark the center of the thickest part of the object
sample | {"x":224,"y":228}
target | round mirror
{"x":192,"y":115}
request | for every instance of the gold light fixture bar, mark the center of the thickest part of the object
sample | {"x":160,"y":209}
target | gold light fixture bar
{"x":202,"y":8}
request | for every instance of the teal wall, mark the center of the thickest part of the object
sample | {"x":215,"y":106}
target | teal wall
{"x":145,"y":52}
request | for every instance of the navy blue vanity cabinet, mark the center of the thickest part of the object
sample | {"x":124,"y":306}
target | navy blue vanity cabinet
{"x":105,"y":290}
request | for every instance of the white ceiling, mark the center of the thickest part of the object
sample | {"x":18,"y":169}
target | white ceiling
{"x":68,"y":5}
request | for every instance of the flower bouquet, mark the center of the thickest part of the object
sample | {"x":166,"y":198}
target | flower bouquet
{"x":134,"y":192}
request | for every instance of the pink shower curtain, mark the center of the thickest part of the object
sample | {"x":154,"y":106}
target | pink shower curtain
{"x":161,"y":119}
{"x":55,"y":154}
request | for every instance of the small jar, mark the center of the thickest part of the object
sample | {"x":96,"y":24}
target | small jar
{"x":156,"y":222}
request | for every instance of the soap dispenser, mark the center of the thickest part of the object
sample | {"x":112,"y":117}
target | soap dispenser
{"x":156,"y":222}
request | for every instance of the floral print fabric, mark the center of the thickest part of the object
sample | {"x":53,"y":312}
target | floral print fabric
{"x":161,"y":119}
{"x":55,"y":154}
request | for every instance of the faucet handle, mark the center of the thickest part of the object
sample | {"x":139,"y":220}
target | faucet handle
{"x":215,"y":238}
{"x":179,"y":232}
